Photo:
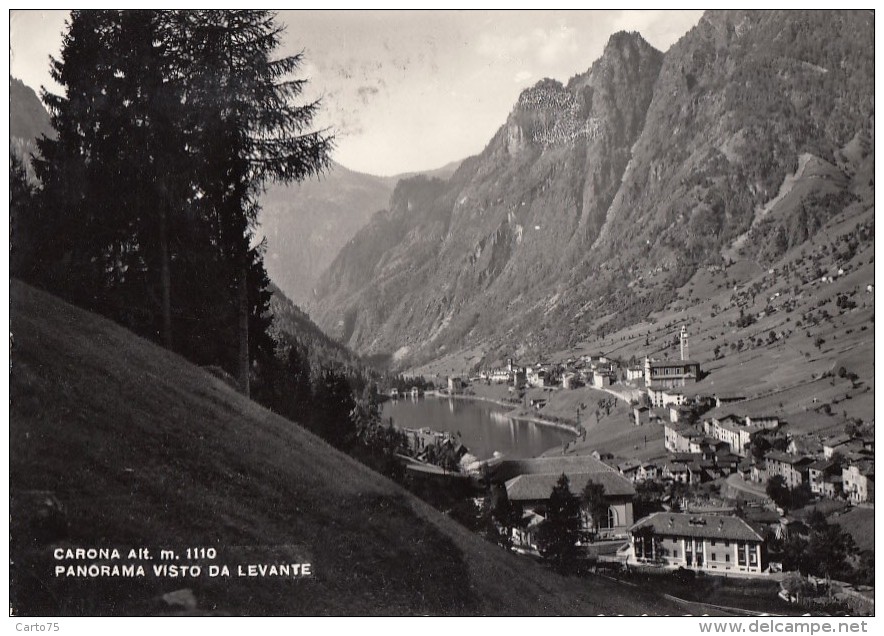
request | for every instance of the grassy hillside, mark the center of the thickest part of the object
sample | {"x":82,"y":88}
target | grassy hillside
{"x":142,"y":449}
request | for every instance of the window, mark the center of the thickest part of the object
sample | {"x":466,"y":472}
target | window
{"x":713,"y":541}
{"x":714,"y":558}
{"x":727,"y":558}
{"x":612,"y":517}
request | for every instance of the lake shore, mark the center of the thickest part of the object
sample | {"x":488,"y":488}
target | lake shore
{"x":513,"y":413}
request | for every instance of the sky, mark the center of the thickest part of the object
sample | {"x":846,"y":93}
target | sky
{"x":406,"y":91}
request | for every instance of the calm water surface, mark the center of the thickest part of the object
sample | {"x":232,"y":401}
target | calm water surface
{"x":483,"y":426}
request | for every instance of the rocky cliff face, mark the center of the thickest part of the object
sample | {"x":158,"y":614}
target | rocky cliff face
{"x":644,"y":164}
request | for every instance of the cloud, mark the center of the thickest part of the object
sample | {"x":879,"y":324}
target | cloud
{"x":365,"y":93}
{"x":547,"y":45}
{"x":555,"y":44}
{"x":521,"y":76}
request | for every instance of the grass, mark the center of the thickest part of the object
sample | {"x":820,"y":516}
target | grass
{"x":860,"y":524}
{"x":143,"y":449}
{"x":757,"y":595}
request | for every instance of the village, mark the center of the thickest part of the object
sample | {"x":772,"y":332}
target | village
{"x":719,"y":485}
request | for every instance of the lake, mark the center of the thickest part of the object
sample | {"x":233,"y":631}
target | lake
{"x":484,"y":426}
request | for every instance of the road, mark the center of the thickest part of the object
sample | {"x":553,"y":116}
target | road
{"x":737,"y":482}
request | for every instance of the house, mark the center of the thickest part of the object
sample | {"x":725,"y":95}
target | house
{"x":727,"y":464}
{"x":715,"y":544}
{"x":641,"y":415}
{"x":421,"y":438}
{"x":680,"y":413}
{"x":730,"y":430}
{"x":601,"y":379}
{"x":817,"y":472}
{"x":677,"y":437}
{"x":744,"y":468}
{"x":569,"y":381}
{"x":759,"y":472}
{"x":415,"y":392}
{"x":737,"y":429}
{"x":634,"y":374}
{"x":525,"y":534}
{"x":500,"y":376}
{"x":647,"y":472}
{"x":662,"y":396}
{"x":836,"y":443}
{"x":629,"y":469}
{"x":859,"y":481}
{"x":538,"y":377}
{"x":766,"y":421}
{"x":671,"y":373}
{"x":679,"y":473}
{"x":532,"y":491}
{"x":727,"y":398}
{"x":707,"y":447}
{"x":793,"y":469}
{"x":394,"y":394}
{"x":455,"y":385}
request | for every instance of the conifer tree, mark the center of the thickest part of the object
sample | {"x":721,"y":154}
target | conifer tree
{"x":249,"y":131}
{"x":169,"y":126}
{"x":557,"y":538}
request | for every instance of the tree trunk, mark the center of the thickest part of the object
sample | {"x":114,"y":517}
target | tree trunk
{"x":244,"y":331}
{"x":165,"y":280}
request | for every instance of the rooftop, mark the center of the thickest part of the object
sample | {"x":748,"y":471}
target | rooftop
{"x":535,"y":487}
{"x":683,"y":458}
{"x":569,"y":464}
{"x":837,"y":440}
{"x":786,"y":458}
{"x":685,"y":430}
{"x":821,"y":465}
{"x":740,"y":410}
{"x":698,"y":525}
{"x":659,"y":364}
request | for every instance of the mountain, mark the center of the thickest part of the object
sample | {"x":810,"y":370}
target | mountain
{"x":28,"y":120}
{"x":120,"y":444}
{"x":290,"y":322}
{"x":598,"y":199}
{"x":306,"y":224}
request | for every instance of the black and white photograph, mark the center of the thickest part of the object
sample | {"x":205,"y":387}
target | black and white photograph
{"x":442,"y":313}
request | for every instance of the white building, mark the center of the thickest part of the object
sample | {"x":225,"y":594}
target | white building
{"x":714,"y":544}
